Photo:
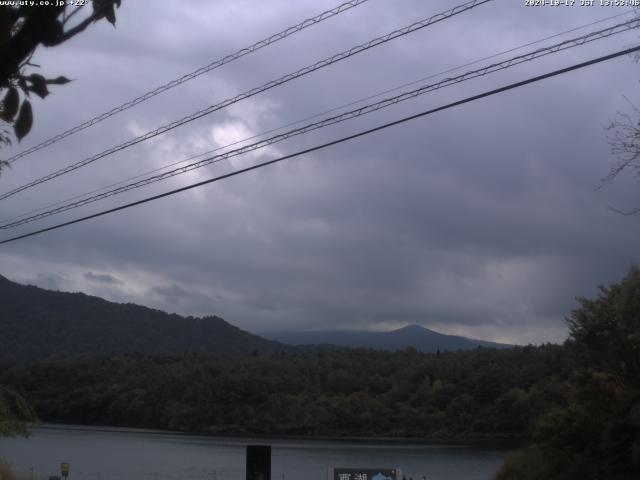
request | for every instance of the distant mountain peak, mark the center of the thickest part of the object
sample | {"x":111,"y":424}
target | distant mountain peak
{"x":416,"y":336}
{"x":413,"y":328}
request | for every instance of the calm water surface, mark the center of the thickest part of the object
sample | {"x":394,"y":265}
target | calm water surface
{"x":106,"y":454}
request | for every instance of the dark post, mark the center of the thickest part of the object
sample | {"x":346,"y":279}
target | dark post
{"x":258,"y":462}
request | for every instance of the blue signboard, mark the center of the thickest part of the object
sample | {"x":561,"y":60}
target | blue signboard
{"x":365,"y":474}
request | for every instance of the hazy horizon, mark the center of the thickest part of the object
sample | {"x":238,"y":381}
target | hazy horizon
{"x":483,"y":220}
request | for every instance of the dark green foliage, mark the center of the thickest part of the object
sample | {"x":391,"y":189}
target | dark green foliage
{"x":597,"y":435}
{"x":15,"y":413}
{"x":274,"y":389}
{"x":525,"y":464}
{"x":606,"y":331}
{"x":335,"y":392}
{"x":23,"y":28}
{"x":24,"y":121}
{"x":37,"y":323}
{"x":10,"y":104}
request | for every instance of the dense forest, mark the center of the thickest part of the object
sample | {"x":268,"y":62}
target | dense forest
{"x":577,"y":403}
{"x":38,"y":323}
{"x":596,"y":434}
{"x":484,"y":392}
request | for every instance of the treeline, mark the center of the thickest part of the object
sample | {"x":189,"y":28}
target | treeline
{"x":596,"y":435}
{"x":37,"y":323}
{"x":579,"y":403}
{"x":478,"y":393}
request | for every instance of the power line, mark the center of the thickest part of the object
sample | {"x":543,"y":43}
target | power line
{"x":334,"y":142}
{"x":5,"y":222}
{"x":495,"y":67}
{"x":49,"y":209}
{"x":190,"y":76}
{"x":273,"y":83}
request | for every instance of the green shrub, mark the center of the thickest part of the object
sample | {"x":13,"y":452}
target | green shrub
{"x":526,"y":464}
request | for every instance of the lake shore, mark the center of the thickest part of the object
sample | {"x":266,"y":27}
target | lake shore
{"x":518,"y":441}
{"x":138,"y":454}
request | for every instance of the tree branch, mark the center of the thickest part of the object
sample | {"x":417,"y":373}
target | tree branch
{"x":68,"y":17}
{"x":72,"y":32}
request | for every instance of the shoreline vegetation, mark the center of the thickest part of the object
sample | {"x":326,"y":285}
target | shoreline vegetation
{"x":477,"y":394}
{"x":7,"y":472}
{"x":516,"y":441}
{"x":577,"y":403}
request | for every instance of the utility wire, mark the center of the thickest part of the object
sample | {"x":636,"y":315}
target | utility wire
{"x":527,"y":57}
{"x":190,"y":76}
{"x":311,"y":117}
{"x":334,"y":142}
{"x":273,"y":83}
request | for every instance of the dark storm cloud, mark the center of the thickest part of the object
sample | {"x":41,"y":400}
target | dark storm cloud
{"x":480,"y":220}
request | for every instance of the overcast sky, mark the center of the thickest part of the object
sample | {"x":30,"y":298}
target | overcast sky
{"x":482,"y":220}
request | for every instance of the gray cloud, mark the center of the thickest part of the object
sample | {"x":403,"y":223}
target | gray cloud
{"x":480,"y":220}
{"x":50,"y":281}
{"x":175,"y":298}
{"x":103,"y":278}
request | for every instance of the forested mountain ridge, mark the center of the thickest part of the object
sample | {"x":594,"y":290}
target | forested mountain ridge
{"x":38,"y":323}
{"x":579,"y":403}
{"x":422,"y":339}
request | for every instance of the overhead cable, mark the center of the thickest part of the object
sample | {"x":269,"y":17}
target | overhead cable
{"x":254,"y":91}
{"x":331,"y":143}
{"x":311,"y":117}
{"x":495,"y":67}
{"x":190,"y":76}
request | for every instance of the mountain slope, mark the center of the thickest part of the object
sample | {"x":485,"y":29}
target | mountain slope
{"x":421,"y":338}
{"x":37,"y":323}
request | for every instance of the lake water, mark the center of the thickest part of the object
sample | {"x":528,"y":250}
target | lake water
{"x":105,"y":454}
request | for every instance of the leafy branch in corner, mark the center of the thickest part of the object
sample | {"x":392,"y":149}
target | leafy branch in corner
{"x":22,"y":29}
